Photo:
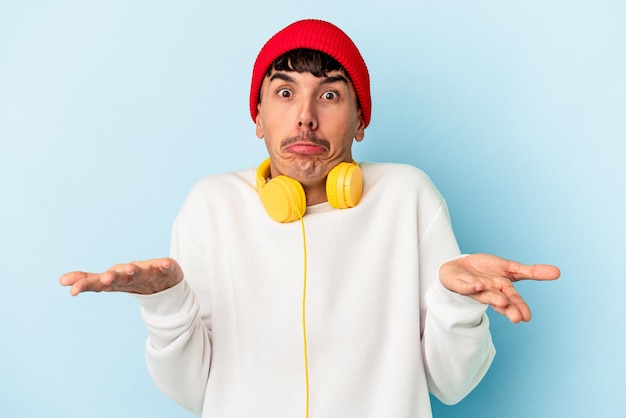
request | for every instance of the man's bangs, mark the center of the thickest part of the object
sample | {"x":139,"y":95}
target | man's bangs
{"x":307,"y":60}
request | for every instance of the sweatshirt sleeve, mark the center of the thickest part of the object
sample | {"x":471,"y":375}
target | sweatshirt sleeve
{"x":456,"y":341}
{"x":178,"y":349}
{"x":457,"y":344}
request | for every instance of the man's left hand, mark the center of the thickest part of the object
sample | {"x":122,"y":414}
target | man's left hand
{"x":489,"y":280}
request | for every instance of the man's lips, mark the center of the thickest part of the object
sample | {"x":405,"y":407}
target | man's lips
{"x":308,"y":148}
{"x":307,"y":144}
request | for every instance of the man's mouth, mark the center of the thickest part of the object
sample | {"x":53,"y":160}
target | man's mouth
{"x":308,"y":145}
{"x":305,"y":148}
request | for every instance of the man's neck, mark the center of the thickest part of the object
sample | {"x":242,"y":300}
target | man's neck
{"x":315,"y":194}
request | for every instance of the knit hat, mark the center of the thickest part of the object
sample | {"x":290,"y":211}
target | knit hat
{"x":320,"y":36}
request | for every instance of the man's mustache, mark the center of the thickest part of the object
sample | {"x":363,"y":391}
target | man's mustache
{"x":306,"y":137}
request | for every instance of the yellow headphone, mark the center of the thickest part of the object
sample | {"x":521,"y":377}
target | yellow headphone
{"x":284,"y":198}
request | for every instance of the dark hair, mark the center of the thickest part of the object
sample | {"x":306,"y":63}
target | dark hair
{"x":304,"y":60}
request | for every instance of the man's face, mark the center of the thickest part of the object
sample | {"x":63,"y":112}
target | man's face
{"x":308,"y":123}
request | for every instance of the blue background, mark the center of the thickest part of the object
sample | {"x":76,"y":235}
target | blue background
{"x":111,"y":110}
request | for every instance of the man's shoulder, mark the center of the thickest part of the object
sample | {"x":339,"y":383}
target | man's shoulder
{"x":386,"y":171}
{"x":404,"y":183}
{"x":223,"y":185}
{"x":237,"y":178}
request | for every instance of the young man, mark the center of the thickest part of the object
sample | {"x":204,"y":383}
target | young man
{"x":377,"y":310}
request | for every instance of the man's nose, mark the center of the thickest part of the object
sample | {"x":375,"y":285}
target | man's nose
{"x":307,"y":118}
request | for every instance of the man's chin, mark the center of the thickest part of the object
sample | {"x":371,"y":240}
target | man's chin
{"x":306,"y":169}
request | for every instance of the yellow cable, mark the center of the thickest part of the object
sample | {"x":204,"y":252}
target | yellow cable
{"x":306,"y":355}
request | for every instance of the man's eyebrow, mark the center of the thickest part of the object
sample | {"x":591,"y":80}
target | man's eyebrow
{"x":334,"y":79}
{"x":282,"y":76}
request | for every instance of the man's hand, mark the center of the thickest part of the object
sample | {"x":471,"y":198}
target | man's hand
{"x":489,"y":280}
{"x":143,"y":277}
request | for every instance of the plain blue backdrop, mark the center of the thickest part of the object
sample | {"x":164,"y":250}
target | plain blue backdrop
{"x":111,"y":110}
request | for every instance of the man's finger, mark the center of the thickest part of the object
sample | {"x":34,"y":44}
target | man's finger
{"x":520,"y":271}
{"x":491,"y":297}
{"x":69,"y":279}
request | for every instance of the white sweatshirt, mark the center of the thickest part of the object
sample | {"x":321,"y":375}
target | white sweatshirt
{"x":381,"y":330}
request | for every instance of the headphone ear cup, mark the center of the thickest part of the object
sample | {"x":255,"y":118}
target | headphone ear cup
{"x":284,"y":199}
{"x":344,"y":185}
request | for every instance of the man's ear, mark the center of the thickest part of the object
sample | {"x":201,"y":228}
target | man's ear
{"x":360,"y":129}
{"x":259,"y":126}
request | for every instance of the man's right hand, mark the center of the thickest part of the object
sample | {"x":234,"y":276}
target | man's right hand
{"x":142,"y":277}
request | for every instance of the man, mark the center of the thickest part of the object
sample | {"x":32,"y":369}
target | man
{"x":362,"y":315}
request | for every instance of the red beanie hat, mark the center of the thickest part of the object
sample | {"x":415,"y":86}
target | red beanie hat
{"x":320,"y":36}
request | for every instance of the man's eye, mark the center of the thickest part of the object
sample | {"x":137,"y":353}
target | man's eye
{"x":330,"y":95}
{"x":284,"y":93}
